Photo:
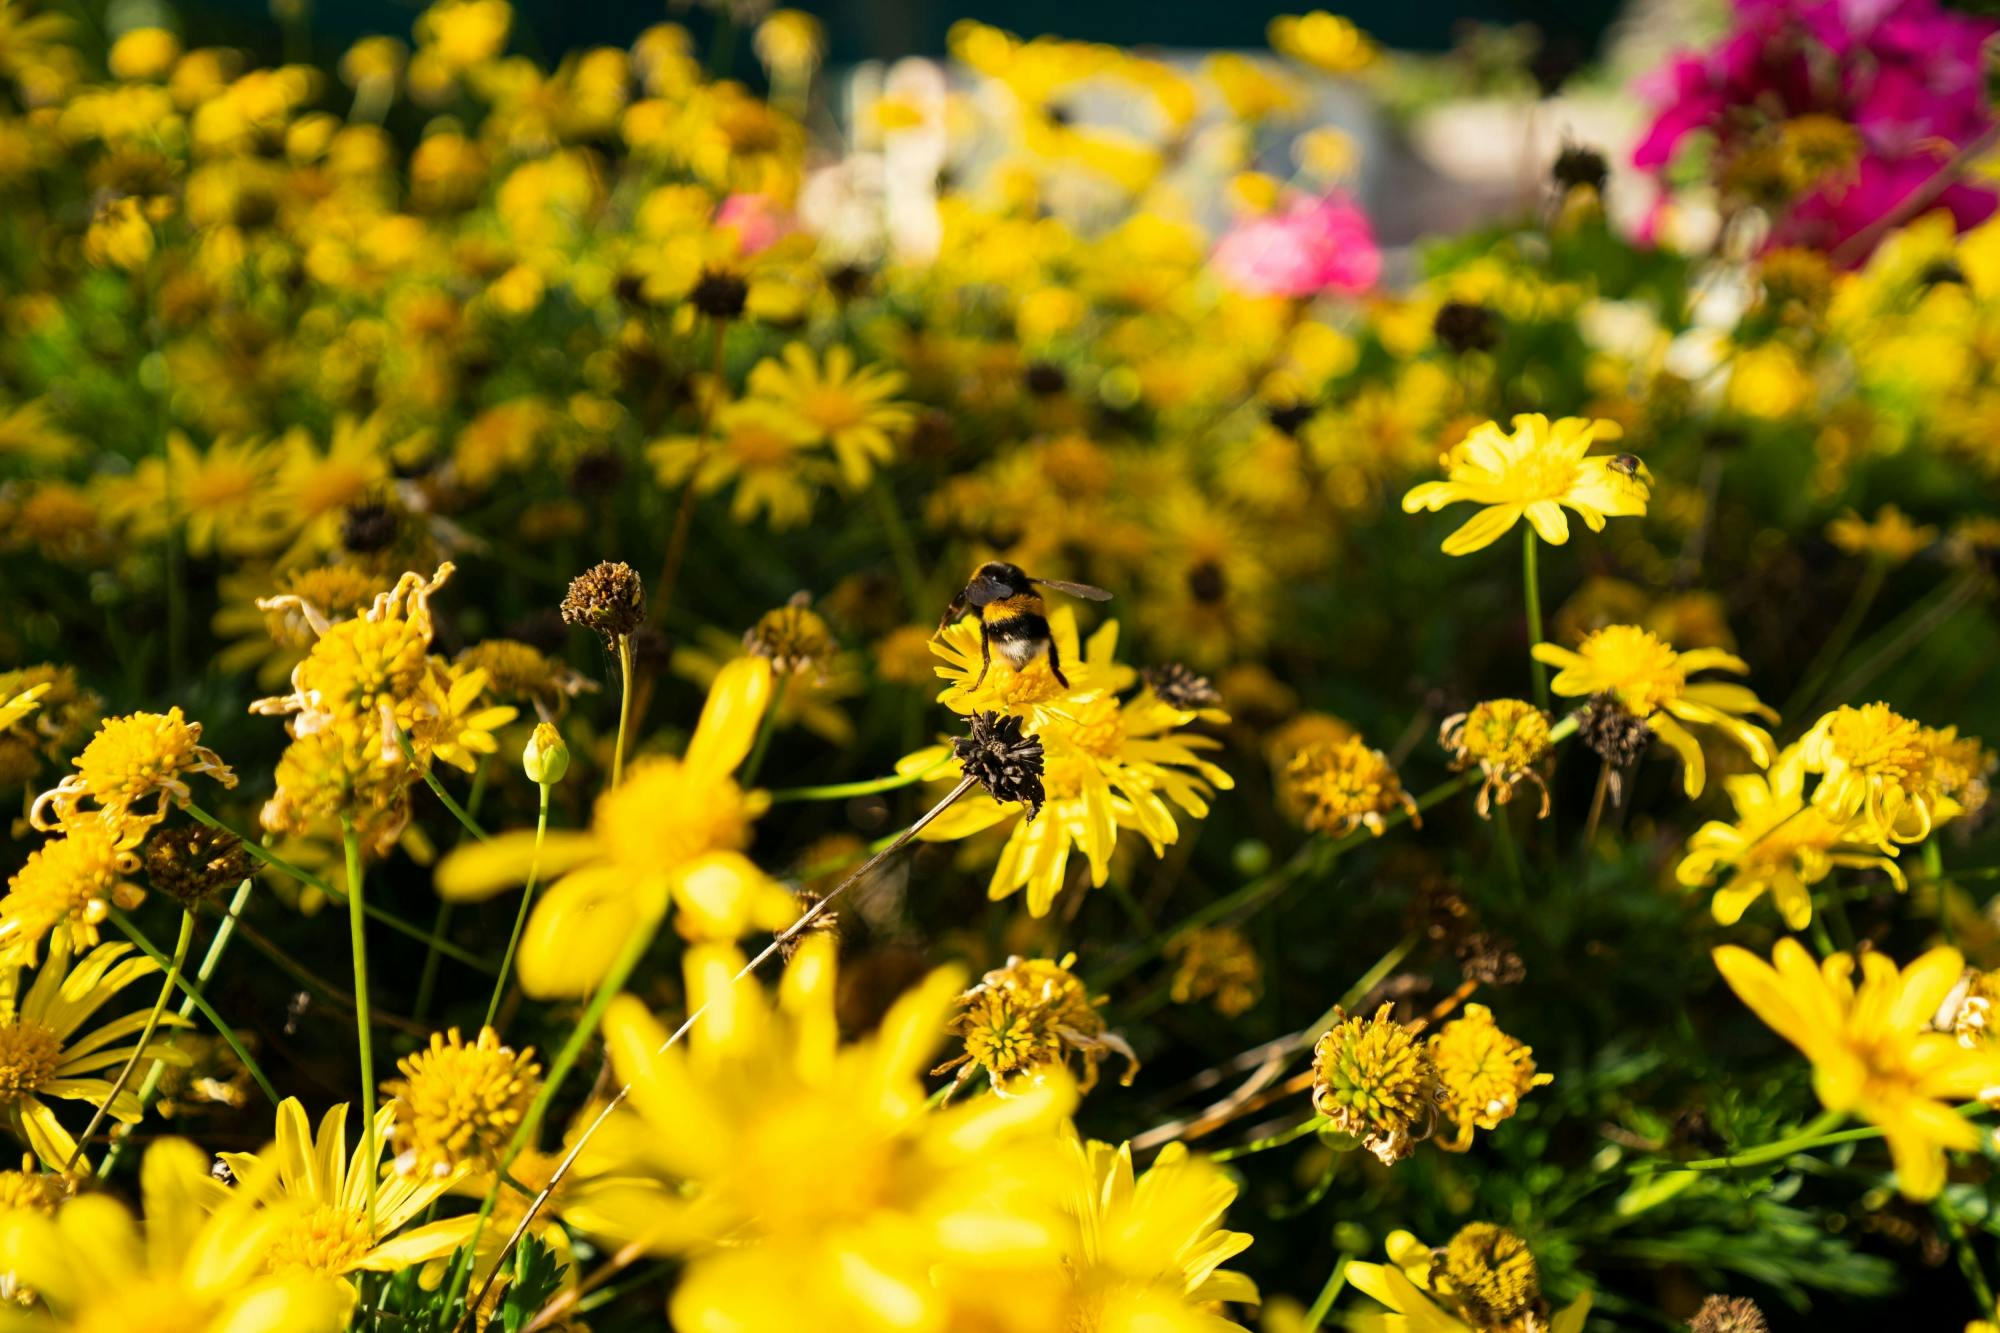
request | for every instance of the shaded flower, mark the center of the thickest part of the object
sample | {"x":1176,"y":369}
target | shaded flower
{"x":1215,"y":963}
{"x":1482,"y":1074}
{"x":1031,"y":1017}
{"x":1508,"y":739}
{"x":1345,"y":785}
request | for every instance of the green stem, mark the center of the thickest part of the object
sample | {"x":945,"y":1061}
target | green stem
{"x":150,"y":1085}
{"x":357,"y":938}
{"x":1915,"y":627}
{"x":901,"y":547}
{"x":1828,"y":657}
{"x":624,"y":707}
{"x":1336,"y":1282}
{"x":765,"y":727}
{"x":430,"y":780}
{"x":840,"y":791}
{"x":195,"y":997}
{"x":566,"y":1058}
{"x":1816,"y":1134}
{"x":1278,"y":1140}
{"x":521,"y":915}
{"x":174,"y":967}
{"x":1531,"y":578}
{"x":1934,"y":873}
{"x":389,"y":919}
{"x":427,"y":979}
{"x":1968,"y":1259}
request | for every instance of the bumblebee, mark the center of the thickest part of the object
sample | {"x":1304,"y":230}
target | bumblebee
{"x":1012,"y":615}
{"x":1626,"y":465}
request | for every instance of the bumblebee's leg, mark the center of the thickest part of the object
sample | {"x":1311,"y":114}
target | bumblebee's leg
{"x":985,"y":654}
{"x":1055,"y":664}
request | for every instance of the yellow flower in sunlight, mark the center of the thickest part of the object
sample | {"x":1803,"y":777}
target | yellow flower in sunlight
{"x":790,"y":42}
{"x":1872,"y":1047}
{"x":1889,"y":536}
{"x":143,"y":53}
{"x":224,"y":497}
{"x":1325,"y":41}
{"x":1108,"y":764}
{"x":1028,"y":1018}
{"x":330,"y":1231}
{"x":1875,"y":767}
{"x":849,"y":409}
{"x":41,"y":1054}
{"x":130,"y":760}
{"x":1340,"y":786}
{"x":1373,"y":1079}
{"x":317,"y":488}
{"x":459,"y":1104}
{"x":1779,"y":844}
{"x":1147,"y":1251}
{"x":673,"y":833}
{"x":198,"y":1264}
{"x":902,"y":1195}
{"x":1483,"y":1281}
{"x":1651,"y":683}
{"x":451,"y":725}
{"x":366,"y":671}
{"x":69,"y":885}
{"x":760,"y":447}
{"x":1482,"y":1074}
{"x":1533,"y":473}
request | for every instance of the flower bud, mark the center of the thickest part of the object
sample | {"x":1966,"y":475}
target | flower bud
{"x":546,"y":758}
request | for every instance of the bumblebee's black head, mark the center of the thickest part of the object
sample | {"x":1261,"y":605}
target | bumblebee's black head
{"x":995,"y":581}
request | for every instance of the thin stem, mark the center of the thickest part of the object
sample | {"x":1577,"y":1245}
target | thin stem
{"x":765,"y":727}
{"x":1269,"y":1141}
{"x":389,"y":919}
{"x":778,"y":942}
{"x":520,"y":916}
{"x":624,"y":707}
{"x":840,"y":791}
{"x":1531,"y":579}
{"x":178,"y":961}
{"x":1815,"y":1134}
{"x":1828,"y":656}
{"x":458,"y":811}
{"x":357,"y":937}
{"x":209,"y":961}
{"x":1968,"y":1259}
{"x":195,"y":997}
{"x":427,"y":979}
{"x":1336,"y":1282}
{"x":670,"y":571}
{"x":1915,"y":627}
{"x":901,"y":547}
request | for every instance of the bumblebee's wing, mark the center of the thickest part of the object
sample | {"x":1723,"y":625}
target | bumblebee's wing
{"x":1083,"y":590}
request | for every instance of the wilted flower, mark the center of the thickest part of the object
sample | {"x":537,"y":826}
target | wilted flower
{"x":1373,"y":1079}
{"x":1482,"y":1074}
{"x":1029,"y":1018}
{"x":1507,"y":738}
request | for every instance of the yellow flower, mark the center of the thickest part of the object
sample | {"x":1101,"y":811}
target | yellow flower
{"x":199,"y":1263}
{"x":1651,"y":683}
{"x":1484,"y":1281}
{"x":42,"y":1056}
{"x":1507,"y":738}
{"x":762,"y":449}
{"x":1027,"y":1018}
{"x":900,"y":1193}
{"x":129,"y":760}
{"x":1889,"y":537}
{"x":847,"y":408}
{"x":1215,"y":963}
{"x":1107,"y":764}
{"x":329,"y":1231}
{"x":1779,"y":844}
{"x":315,"y":489}
{"x":673,"y":833}
{"x":361,"y":669}
{"x":1373,"y":1079}
{"x":515,"y":670}
{"x":275,"y":641}
{"x":68,"y":886}
{"x":1146,"y":1251}
{"x":1534,"y":472}
{"x":452,"y":726}
{"x":1872,"y":1047}
{"x":224,"y":497}
{"x":1482,"y":1074}
{"x":1875,"y":766}
{"x":457,"y":1104}
{"x":1339,"y":786}
{"x":1325,"y":41}
{"x":790,"y":42}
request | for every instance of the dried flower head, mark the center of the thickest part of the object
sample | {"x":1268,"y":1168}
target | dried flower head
{"x":132,"y":759}
{"x":794,"y":637}
{"x":1482,"y":1074}
{"x":369,"y":527}
{"x":459,"y":1104}
{"x":190,"y":862}
{"x":1347,"y":785}
{"x":1465,"y":326}
{"x":1215,"y":963}
{"x":1489,"y":960}
{"x":1028,"y":1017}
{"x":1612,"y":731}
{"x":1372,"y":1079}
{"x":519,"y":671}
{"x":1178,"y":687}
{"x":825,"y":923}
{"x":608,"y":598}
{"x":1729,"y":1314}
{"x":1007,"y":763}
{"x":1492,"y":1274}
{"x":1508,"y":739}
{"x":720,"y":294}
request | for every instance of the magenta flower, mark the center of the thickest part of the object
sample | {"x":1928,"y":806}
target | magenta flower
{"x":1316,"y":245}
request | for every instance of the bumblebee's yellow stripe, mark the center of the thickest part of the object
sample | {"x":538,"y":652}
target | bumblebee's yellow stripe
{"x":1027,"y":603}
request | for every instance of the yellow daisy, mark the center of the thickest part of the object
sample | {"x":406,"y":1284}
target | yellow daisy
{"x":847,"y":408}
{"x":758,"y":447}
{"x":1533,"y":473}
{"x":1485,"y":1279}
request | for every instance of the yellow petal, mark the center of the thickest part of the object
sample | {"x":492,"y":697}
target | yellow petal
{"x":477,"y":870}
{"x":730,"y":718}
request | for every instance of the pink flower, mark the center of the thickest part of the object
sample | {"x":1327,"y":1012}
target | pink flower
{"x":1314,"y":246}
{"x":758,"y":220}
